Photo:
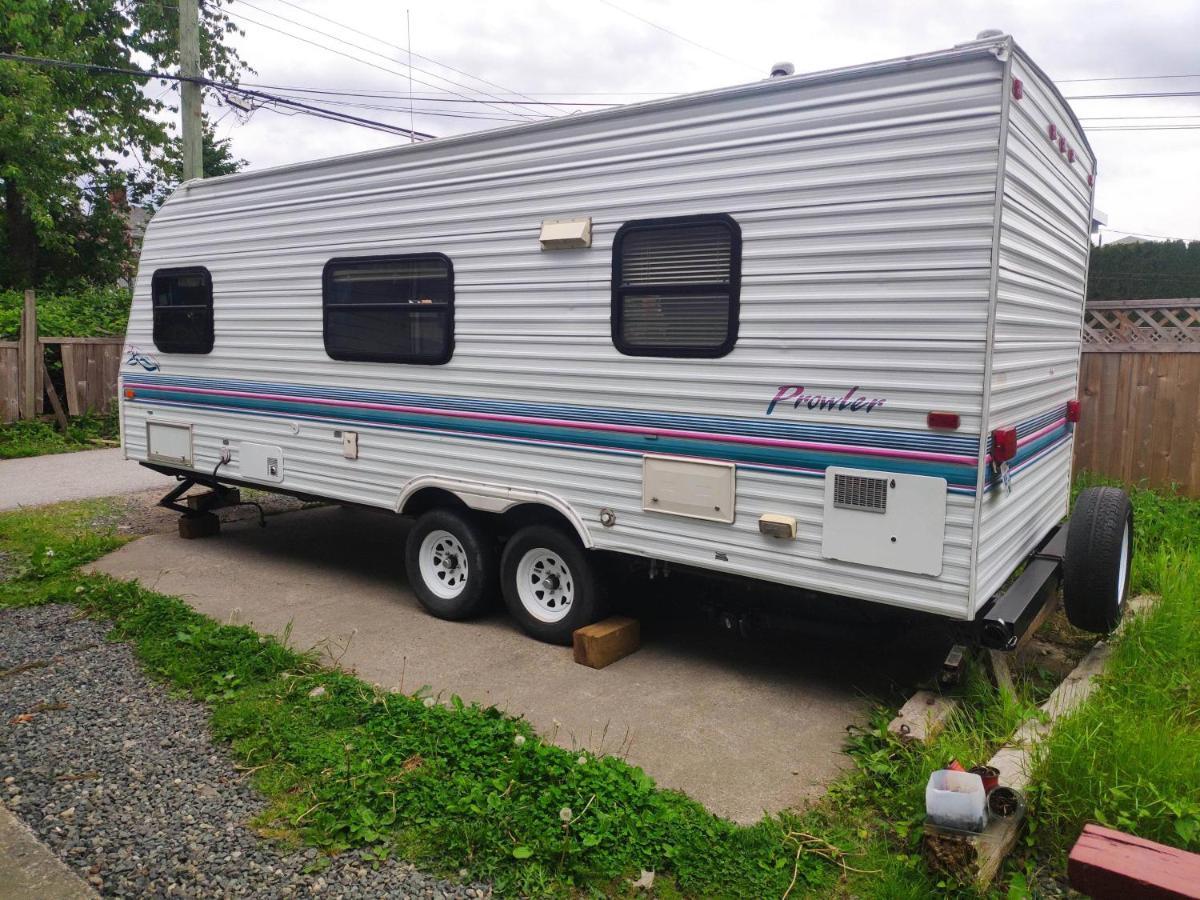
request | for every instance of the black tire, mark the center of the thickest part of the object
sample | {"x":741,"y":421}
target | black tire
{"x":1097,"y":560}
{"x":447,"y":598}
{"x":576,"y":577}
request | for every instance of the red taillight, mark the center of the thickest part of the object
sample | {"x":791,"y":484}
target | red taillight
{"x":1054,"y":132}
{"x":1091,"y":180}
{"x":1062,"y":144}
{"x":129,"y":395}
{"x":1004,"y":444}
{"x":942,"y":420}
{"x":1072,"y":410}
{"x":1070,"y":154}
{"x":1018,"y":89}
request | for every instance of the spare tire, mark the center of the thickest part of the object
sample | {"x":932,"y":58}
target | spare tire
{"x":1097,"y":559}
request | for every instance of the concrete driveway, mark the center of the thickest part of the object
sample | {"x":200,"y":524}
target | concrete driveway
{"x":38,"y":480}
{"x":742,"y":726}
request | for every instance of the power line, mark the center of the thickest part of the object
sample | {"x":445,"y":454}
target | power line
{"x":407,"y":50}
{"x":1133,"y":118}
{"x":299,"y":106}
{"x":403,"y":95}
{"x":1123,"y":78}
{"x":673,"y":34}
{"x":296,"y":37}
{"x":1180,"y":127}
{"x":1132,"y":96}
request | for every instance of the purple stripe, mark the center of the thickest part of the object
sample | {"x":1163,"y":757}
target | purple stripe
{"x":590,"y":426}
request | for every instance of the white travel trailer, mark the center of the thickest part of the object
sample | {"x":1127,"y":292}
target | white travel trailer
{"x":820,"y":330}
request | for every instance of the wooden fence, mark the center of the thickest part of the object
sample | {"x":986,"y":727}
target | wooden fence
{"x":1140,"y":393}
{"x":89,"y":367}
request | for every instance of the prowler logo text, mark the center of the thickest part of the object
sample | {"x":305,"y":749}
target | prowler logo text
{"x":797,"y":396}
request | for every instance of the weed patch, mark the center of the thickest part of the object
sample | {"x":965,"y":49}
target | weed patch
{"x":455,"y":786}
{"x":36,"y":438}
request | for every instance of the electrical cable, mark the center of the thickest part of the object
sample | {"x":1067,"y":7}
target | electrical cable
{"x":299,"y":106}
{"x":334,"y":50}
{"x":405,"y":50}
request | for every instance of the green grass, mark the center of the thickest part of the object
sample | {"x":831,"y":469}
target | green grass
{"x":1130,"y":758}
{"x":36,"y":437}
{"x":455,"y":786}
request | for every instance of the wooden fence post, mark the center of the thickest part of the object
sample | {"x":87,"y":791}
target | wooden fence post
{"x":30,"y":357}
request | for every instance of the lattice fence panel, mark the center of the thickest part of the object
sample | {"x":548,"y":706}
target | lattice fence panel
{"x":1144,"y":326}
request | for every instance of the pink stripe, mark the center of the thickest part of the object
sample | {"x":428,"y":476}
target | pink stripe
{"x":564,"y":423}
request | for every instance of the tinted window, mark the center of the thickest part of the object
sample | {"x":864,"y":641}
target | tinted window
{"x":676,"y":285}
{"x":390,"y":309}
{"x":183,"y":310}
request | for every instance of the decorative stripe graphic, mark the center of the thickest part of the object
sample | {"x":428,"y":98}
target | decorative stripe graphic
{"x":803,"y":449}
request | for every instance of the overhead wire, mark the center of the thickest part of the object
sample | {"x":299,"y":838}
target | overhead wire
{"x":298,"y":106}
{"x":406,"y":50}
{"x":326,"y":47}
{"x":674,"y":34}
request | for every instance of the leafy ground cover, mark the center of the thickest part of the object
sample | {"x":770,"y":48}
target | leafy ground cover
{"x":455,"y":787}
{"x":1130,"y":758}
{"x":37,"y":437}
{"x":85,"y":312}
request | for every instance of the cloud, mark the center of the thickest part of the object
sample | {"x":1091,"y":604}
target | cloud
{"x":568,"y":51}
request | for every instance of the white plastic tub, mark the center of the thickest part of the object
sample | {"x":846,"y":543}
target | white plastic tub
{"x":956,"y":800}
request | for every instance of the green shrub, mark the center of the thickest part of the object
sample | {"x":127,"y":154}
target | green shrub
{"x":87,"y":312}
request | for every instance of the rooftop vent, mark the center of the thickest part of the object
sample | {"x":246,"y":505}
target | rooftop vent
{"x":988,"y":33}
{"x":782,"y":70}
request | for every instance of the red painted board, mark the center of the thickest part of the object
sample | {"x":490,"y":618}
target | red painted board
{"x":1110,"y":864}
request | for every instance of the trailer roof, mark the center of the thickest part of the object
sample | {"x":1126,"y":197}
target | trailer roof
{"x":990,"y":46}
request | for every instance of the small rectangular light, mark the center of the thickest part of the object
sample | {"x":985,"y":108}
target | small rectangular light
{"x":777,"y":526}
{"x":1004,"y":444}
{"x":942,"y":420}
{"x":1018,"y":89}
{"x":129,"y":394}
{"x":1072,"y":410}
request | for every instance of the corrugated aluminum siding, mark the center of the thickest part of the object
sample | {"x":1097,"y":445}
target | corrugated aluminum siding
{"x":866,"y":204}
{"x":1045,"y":228}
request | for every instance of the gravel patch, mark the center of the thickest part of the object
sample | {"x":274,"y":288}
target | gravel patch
{"x":124,"y":783}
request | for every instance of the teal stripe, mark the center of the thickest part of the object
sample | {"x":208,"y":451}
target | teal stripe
{"x":961,"y":475}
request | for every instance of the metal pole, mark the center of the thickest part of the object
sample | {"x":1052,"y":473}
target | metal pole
{"x":190,"y":92}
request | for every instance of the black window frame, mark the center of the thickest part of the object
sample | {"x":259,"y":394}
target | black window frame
{"x":395,"y":358}
{"x":175,"y":272}
{"x":734,"y":288}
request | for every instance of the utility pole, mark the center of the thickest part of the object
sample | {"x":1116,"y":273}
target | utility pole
{"x":189,"y":67}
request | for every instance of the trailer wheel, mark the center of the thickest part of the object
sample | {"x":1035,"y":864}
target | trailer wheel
{"x":1096,"y":561}
{"x":451,"y":564}
{"x":549,"y":584}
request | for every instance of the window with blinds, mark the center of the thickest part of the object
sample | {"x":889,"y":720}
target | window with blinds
{"x":675,"y":286}
{"x":183,"y":310}
{"x":397,"y":309}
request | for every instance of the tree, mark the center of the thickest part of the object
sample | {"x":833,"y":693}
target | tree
{"x":1146,"y":270}
{"x":73,"y":142}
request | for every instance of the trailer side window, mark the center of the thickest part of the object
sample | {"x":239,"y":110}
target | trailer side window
{"x":183,"y":310}
{"x":396,"y":309}
{"x":675,"y":286}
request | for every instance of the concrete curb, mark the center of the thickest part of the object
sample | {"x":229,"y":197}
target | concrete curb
{"x":28,"y":868}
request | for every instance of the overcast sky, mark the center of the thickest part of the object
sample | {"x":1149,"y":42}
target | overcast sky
{"x":595,"y":51}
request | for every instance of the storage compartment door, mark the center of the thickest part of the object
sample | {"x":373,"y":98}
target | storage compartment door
{"x":884,"y":519}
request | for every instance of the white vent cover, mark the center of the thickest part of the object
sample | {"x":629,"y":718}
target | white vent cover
{"x":888,"y":520}
{"x":566,"y":234}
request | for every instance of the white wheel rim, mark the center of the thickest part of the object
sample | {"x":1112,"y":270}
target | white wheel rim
{"x":1124,"y":567}
{"x":545,"y":585}
{"x":444,"y":564}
